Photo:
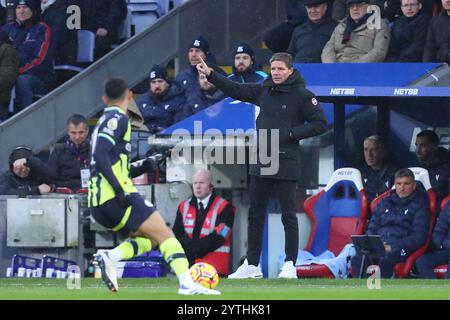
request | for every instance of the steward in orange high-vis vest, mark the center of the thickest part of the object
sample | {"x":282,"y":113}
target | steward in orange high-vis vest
{"x":205,"y":230}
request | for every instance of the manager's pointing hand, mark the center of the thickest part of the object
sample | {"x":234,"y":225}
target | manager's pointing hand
{"x":203,"y":68}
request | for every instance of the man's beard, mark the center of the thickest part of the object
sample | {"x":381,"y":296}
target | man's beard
{"x":160,"y":93}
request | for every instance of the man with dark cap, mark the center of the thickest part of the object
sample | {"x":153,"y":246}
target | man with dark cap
{"x":163,"y":104}
{"x":31,"y":38}
{"x":19,"y":180}
{"x":244,"y":68}
{"x":309,"y":38}
{"x":353,"y":40}
{"x":188,"y":78}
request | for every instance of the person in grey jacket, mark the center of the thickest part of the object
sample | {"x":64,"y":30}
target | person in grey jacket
{"x":288,"y":113}
{"x":361,"y":37}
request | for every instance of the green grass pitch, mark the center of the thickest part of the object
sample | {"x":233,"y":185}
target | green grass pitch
{"x":252,"y":289}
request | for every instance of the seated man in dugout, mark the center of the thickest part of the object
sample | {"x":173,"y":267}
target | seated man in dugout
{"x":20,"y":180}
{"x":378,"y":171}
{"x":401,"y":220}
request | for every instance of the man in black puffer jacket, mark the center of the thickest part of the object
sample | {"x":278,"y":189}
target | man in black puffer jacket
{"x":402,"y":220}
{"x":286,"y":112}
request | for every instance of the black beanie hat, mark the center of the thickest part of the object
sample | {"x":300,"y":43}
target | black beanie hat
{"x":200,"y":43}
{"x":19,"y":153}
{"x":245,"y":48}
{"x":158,"y":72}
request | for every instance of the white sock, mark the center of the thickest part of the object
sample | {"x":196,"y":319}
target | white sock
{"x":186,"y":279}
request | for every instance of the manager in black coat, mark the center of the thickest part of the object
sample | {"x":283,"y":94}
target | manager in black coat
{"x":283,"y":105}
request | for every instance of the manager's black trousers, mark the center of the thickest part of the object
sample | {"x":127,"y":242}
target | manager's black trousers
{"x":261,"y":189}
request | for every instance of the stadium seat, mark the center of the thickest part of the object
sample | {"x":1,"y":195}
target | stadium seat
{"x":402,"y":270}
{"x":441,"y":270}
{"x":337,"y":212}
{"x":143,"y":14}
{"x":85,"y":54}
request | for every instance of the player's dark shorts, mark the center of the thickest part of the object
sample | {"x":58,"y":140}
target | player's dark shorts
{"x":111,"y":215}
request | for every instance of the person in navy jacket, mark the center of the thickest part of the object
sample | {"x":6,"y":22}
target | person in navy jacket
{"x":402,"y":220}
{"x":188,"y":78}
{"x":31,"y":38}
{"x":163,"y":104}
{"x":439,"y":247}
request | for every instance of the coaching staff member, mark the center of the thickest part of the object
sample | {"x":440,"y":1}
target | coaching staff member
{"x":286,"y":107}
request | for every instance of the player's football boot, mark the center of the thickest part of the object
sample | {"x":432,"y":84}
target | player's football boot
{"x":108,"y":269}
{"x":195,"y":288}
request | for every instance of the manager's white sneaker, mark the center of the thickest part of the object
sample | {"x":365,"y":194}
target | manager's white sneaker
{"x":108,"y":269}
{"x":247,"y":271}
{"x":196,"y":289}
{"x":288,"y":271}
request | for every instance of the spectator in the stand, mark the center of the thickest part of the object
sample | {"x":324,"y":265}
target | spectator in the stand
{"x":436,"y":160}
{"x":308,"y":39}
{"x":103,"y":17}
{"x":378,"y":171}
{"x":67,"y":159}
{"x":439,"y":252}
{"x":401,"y":220}
{"x":163,"y":105}
{"x":9,"y":70}
{"x":278,"y":38}
{"x":245,"y":68}
{"x":63,"y":41}
{"x":19,"y":180}
{"x":353,"y":41}
{"x":188,"y":77}
{"x":437,"y":46}
{"x":203,"y":224}
{"x":408,"y":33}
{"x":392,"y":9}
{"x":206,"y":96}
{"x":31,"y":38}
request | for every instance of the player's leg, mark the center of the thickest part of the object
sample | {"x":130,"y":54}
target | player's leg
{"x":155,"y":228}
{"x":125,"y":221}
